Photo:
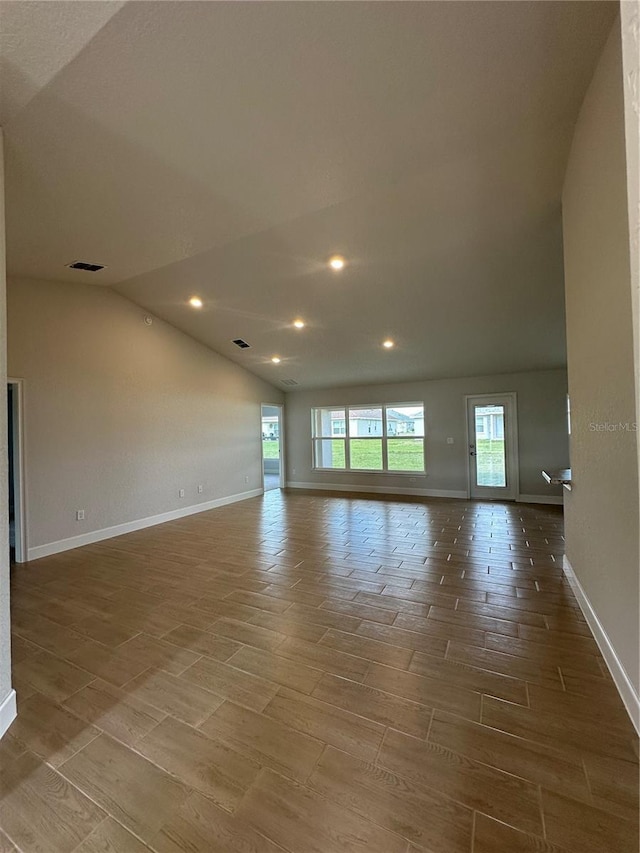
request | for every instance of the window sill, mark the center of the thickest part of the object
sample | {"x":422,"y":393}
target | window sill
{"x":416,"y":474}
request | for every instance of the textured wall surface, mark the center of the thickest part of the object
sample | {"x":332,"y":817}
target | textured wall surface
{"x":630,"y":27}
{"x":5,"y":641}
{"x":120,"y":415}
{"x":542,"y":429}
{"x":602,"y":509}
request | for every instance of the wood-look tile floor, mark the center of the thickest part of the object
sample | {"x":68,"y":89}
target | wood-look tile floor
{"x":303,"y":673}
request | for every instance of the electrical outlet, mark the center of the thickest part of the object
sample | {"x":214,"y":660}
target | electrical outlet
{"x":200,"y":489}
{"x":181,"y":493}
{"x":450,"y":440}
{"x":80,"y":515}
{"x":246,"y":479}
{"x":294,"y":471}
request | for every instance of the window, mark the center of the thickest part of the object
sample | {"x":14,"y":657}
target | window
{"x":387,"y":438}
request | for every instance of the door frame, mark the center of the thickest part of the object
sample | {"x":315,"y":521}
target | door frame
{"x":280,"y":408}
{"x":19,"y":484}
{"x":512,"y":453}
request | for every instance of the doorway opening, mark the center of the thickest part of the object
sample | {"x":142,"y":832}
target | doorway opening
{"x":272,"y":473}
{"x":17,"y":525}
{"x":492,"y":430}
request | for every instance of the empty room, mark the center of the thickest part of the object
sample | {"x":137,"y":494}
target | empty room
{"x":320,"y":520}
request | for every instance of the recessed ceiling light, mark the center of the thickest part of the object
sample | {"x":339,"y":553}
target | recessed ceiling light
{"x":275,"y":359}
{"x":388,"y":344}
{"x":299,"y":324}
{"x":337,"y":263}
{"x":195,"y":302}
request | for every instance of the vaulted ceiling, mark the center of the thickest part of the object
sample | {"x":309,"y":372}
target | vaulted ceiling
{"x":229,"y":149}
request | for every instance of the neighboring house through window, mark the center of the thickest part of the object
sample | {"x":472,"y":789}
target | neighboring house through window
{"x":388,"y":438}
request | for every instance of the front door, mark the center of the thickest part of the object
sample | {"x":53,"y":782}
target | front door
{"x":493,"y":458}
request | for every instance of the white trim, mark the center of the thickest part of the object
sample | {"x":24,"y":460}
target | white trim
{"x":380,"y":490}
{"x":622,"y":681}
{"x":130,"y":526}
{"x":512,"y":451}
{"x":383,"y":438}
{"x":540,"y":499}
{"x":417,"y":475}
{"x":281,"y":447}
{"x":8,"y":711}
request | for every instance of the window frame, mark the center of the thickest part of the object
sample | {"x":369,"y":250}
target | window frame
{"x":346,"y":439}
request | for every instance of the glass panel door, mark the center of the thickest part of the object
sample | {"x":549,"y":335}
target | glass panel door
{"x":493,"y":459}
{"x":271,"y":447}
{"x":491,"y":469}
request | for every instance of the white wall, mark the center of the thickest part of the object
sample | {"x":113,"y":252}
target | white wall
{"x":542,"y":430}
{"x":602,"y":510}
{"x":119,"y":415}
{"x":630,"y":29}
{"x":7,"y":696}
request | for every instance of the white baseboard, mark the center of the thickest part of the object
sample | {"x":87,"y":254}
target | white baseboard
{"x":426,"y":493}
{"x":541,"y":499}
{"x":7,"y":711}
{"x":622,"y":681}
{"x":131,"y":526}
{"x":379,"y":490}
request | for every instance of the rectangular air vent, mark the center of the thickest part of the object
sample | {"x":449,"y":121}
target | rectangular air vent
{"x":83,"y":265}
{"x":288,"y":381}
{"x":240,"y":343}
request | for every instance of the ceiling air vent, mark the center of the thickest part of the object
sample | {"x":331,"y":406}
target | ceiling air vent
{"x":288,"y":382}
{"x":240,"y":343}
{"x":83,"y":265}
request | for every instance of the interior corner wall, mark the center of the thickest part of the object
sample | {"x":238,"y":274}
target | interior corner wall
{"x":119,"y":416}
{"x":602,"y":510}
{"x":542,"y":432}
{"x":630,"y":31}
{"x":7,"y":696}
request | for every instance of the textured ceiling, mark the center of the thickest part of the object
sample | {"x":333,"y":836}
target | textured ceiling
{"x":228,"y":149}
{"x":37,"y":39}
